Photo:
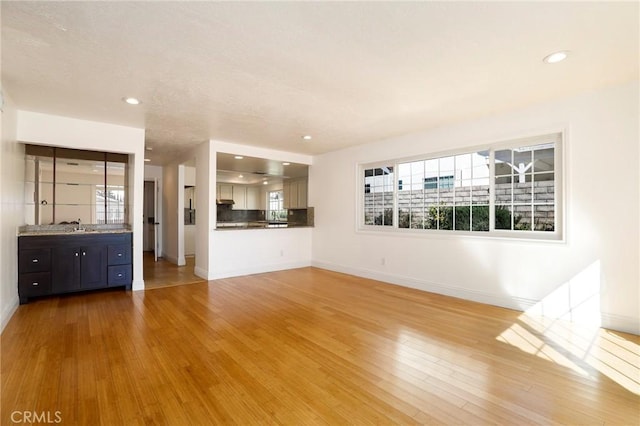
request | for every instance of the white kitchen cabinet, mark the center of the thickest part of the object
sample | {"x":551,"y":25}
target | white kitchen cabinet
{"x":295,"y":194}
{"x":239,"y":197}
{"x":302,"y":193}
{"x":225,"y":191}
{"x":253,"y":198}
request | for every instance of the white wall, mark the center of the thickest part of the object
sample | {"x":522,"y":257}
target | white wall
{"x":602,"y":200}
{"x":205,"y":214}
{"x":52,"y":130}
{"x":12,"y":164}
{"x":252,"y":251}
{"x":154,"y":173}
{"x":172,"y":206}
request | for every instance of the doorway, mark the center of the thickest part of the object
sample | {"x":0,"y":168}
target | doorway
{"x":151,"y":222}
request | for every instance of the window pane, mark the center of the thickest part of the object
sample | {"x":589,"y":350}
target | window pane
{"x":522,"y":217}
{"x":404,"y":216}
{"x":544,"y":187}
{"x":480,"y":218}
{"x":446,"y":166}
{"x":543,"y":158}
{"x":522,"y":160}
{"x":544,"y":217}
{"x":503,"y":217}
{"x":445,"y":217}
{"x":463,"y":166}
{"x":463,"y":192}
{"x":503,"y":162}
{"x":503,"y":190}
{"x":463,"y":218}
{"x":522,"y":192}
{"x":417,"y":175}
{"x":480,"y":194}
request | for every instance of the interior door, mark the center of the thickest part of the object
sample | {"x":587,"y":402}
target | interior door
{"x":156,"y":246}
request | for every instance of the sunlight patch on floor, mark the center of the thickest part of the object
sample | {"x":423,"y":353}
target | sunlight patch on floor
{"x":564,"y":328}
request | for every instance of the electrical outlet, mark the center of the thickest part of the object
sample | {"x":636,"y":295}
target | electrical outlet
{"x":281,"y":253}
{"x":383,"y":261}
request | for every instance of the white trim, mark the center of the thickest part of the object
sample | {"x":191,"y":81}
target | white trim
{"x":620,"y":323}
{"x":202,"y":273}
{"x":8,"y":311}
{"x":517,"y":303}
{"x":260,"y":269}
{"x":137,"y":285}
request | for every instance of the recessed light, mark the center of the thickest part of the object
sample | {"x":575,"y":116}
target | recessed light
{"x":132,"y":101}
{"x":286,"y":164}
{"x":556,"y":57}
{"x":149,"y":148}
{"x":238,"y":157}
{"x":265,"y":183}
{"x":307,"y":137}
{"x":240,"y":176}
{"x":147,"y":159}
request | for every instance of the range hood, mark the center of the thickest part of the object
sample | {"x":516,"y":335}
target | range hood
{"x":224,"y":202}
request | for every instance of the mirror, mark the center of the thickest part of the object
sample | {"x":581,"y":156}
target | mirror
{"x":66,"y":186}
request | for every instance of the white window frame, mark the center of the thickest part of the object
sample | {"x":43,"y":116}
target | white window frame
{"x":557,"y":235}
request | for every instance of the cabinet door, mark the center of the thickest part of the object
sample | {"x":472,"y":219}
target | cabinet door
{"x":93,"y":270}
{"x":253,"y":198}
{"x":225,"y":192}
{"x":239,"y":197}
{"x":290,"y":194}
{"x":65,"y":269}
{"x":302,"y":194}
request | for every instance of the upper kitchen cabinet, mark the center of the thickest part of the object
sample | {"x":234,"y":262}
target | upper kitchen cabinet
{"x":68,"y":185}
{"x":253,"y":198}
{"x":239,"y":197}
{"x":295,"y":193}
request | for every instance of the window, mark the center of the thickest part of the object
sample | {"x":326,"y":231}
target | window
{"x":378,"y":200}
{"x":512,"y":187}
{"x":276,"y":206}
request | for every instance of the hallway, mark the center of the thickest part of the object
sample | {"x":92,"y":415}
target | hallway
{"x":166,"y":274}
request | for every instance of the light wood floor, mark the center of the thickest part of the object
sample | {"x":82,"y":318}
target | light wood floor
{"x":166,"y":274}
{"x":309,"y":346}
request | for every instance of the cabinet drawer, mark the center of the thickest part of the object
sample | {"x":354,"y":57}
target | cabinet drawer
{"x":36,"y":284}
{"x":34,"y":260}
{"x":119,"y":254}
{"x":119,"y":275}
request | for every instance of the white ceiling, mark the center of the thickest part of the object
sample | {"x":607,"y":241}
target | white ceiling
{"x":266,"y":73}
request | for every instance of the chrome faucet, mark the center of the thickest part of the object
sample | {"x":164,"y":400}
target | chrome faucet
{"x":79,"y":227}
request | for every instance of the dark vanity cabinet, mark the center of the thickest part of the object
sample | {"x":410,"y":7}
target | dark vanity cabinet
{"x":57,"y":264}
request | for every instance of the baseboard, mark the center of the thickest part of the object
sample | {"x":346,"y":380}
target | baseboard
{"x":8,"y":312}
{"x":137,"y":285}
{"x":259,"y":269}
{"x":171,"y":259}
{"x":202,"y":273}
{"x":609,"y":321}
{"x":516,"y":303}
{"x":620,"y":323}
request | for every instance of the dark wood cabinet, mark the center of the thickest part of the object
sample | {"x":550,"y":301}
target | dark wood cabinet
{"x":56,"y":264}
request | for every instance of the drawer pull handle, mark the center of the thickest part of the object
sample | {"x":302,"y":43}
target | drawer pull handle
{"x":84,"y":253}
{"x":119,"y":254}
{"x":34,"y":260}
{"x":76,"y":254}
{"x":35,"y":284}
{"x":119,"y":275}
